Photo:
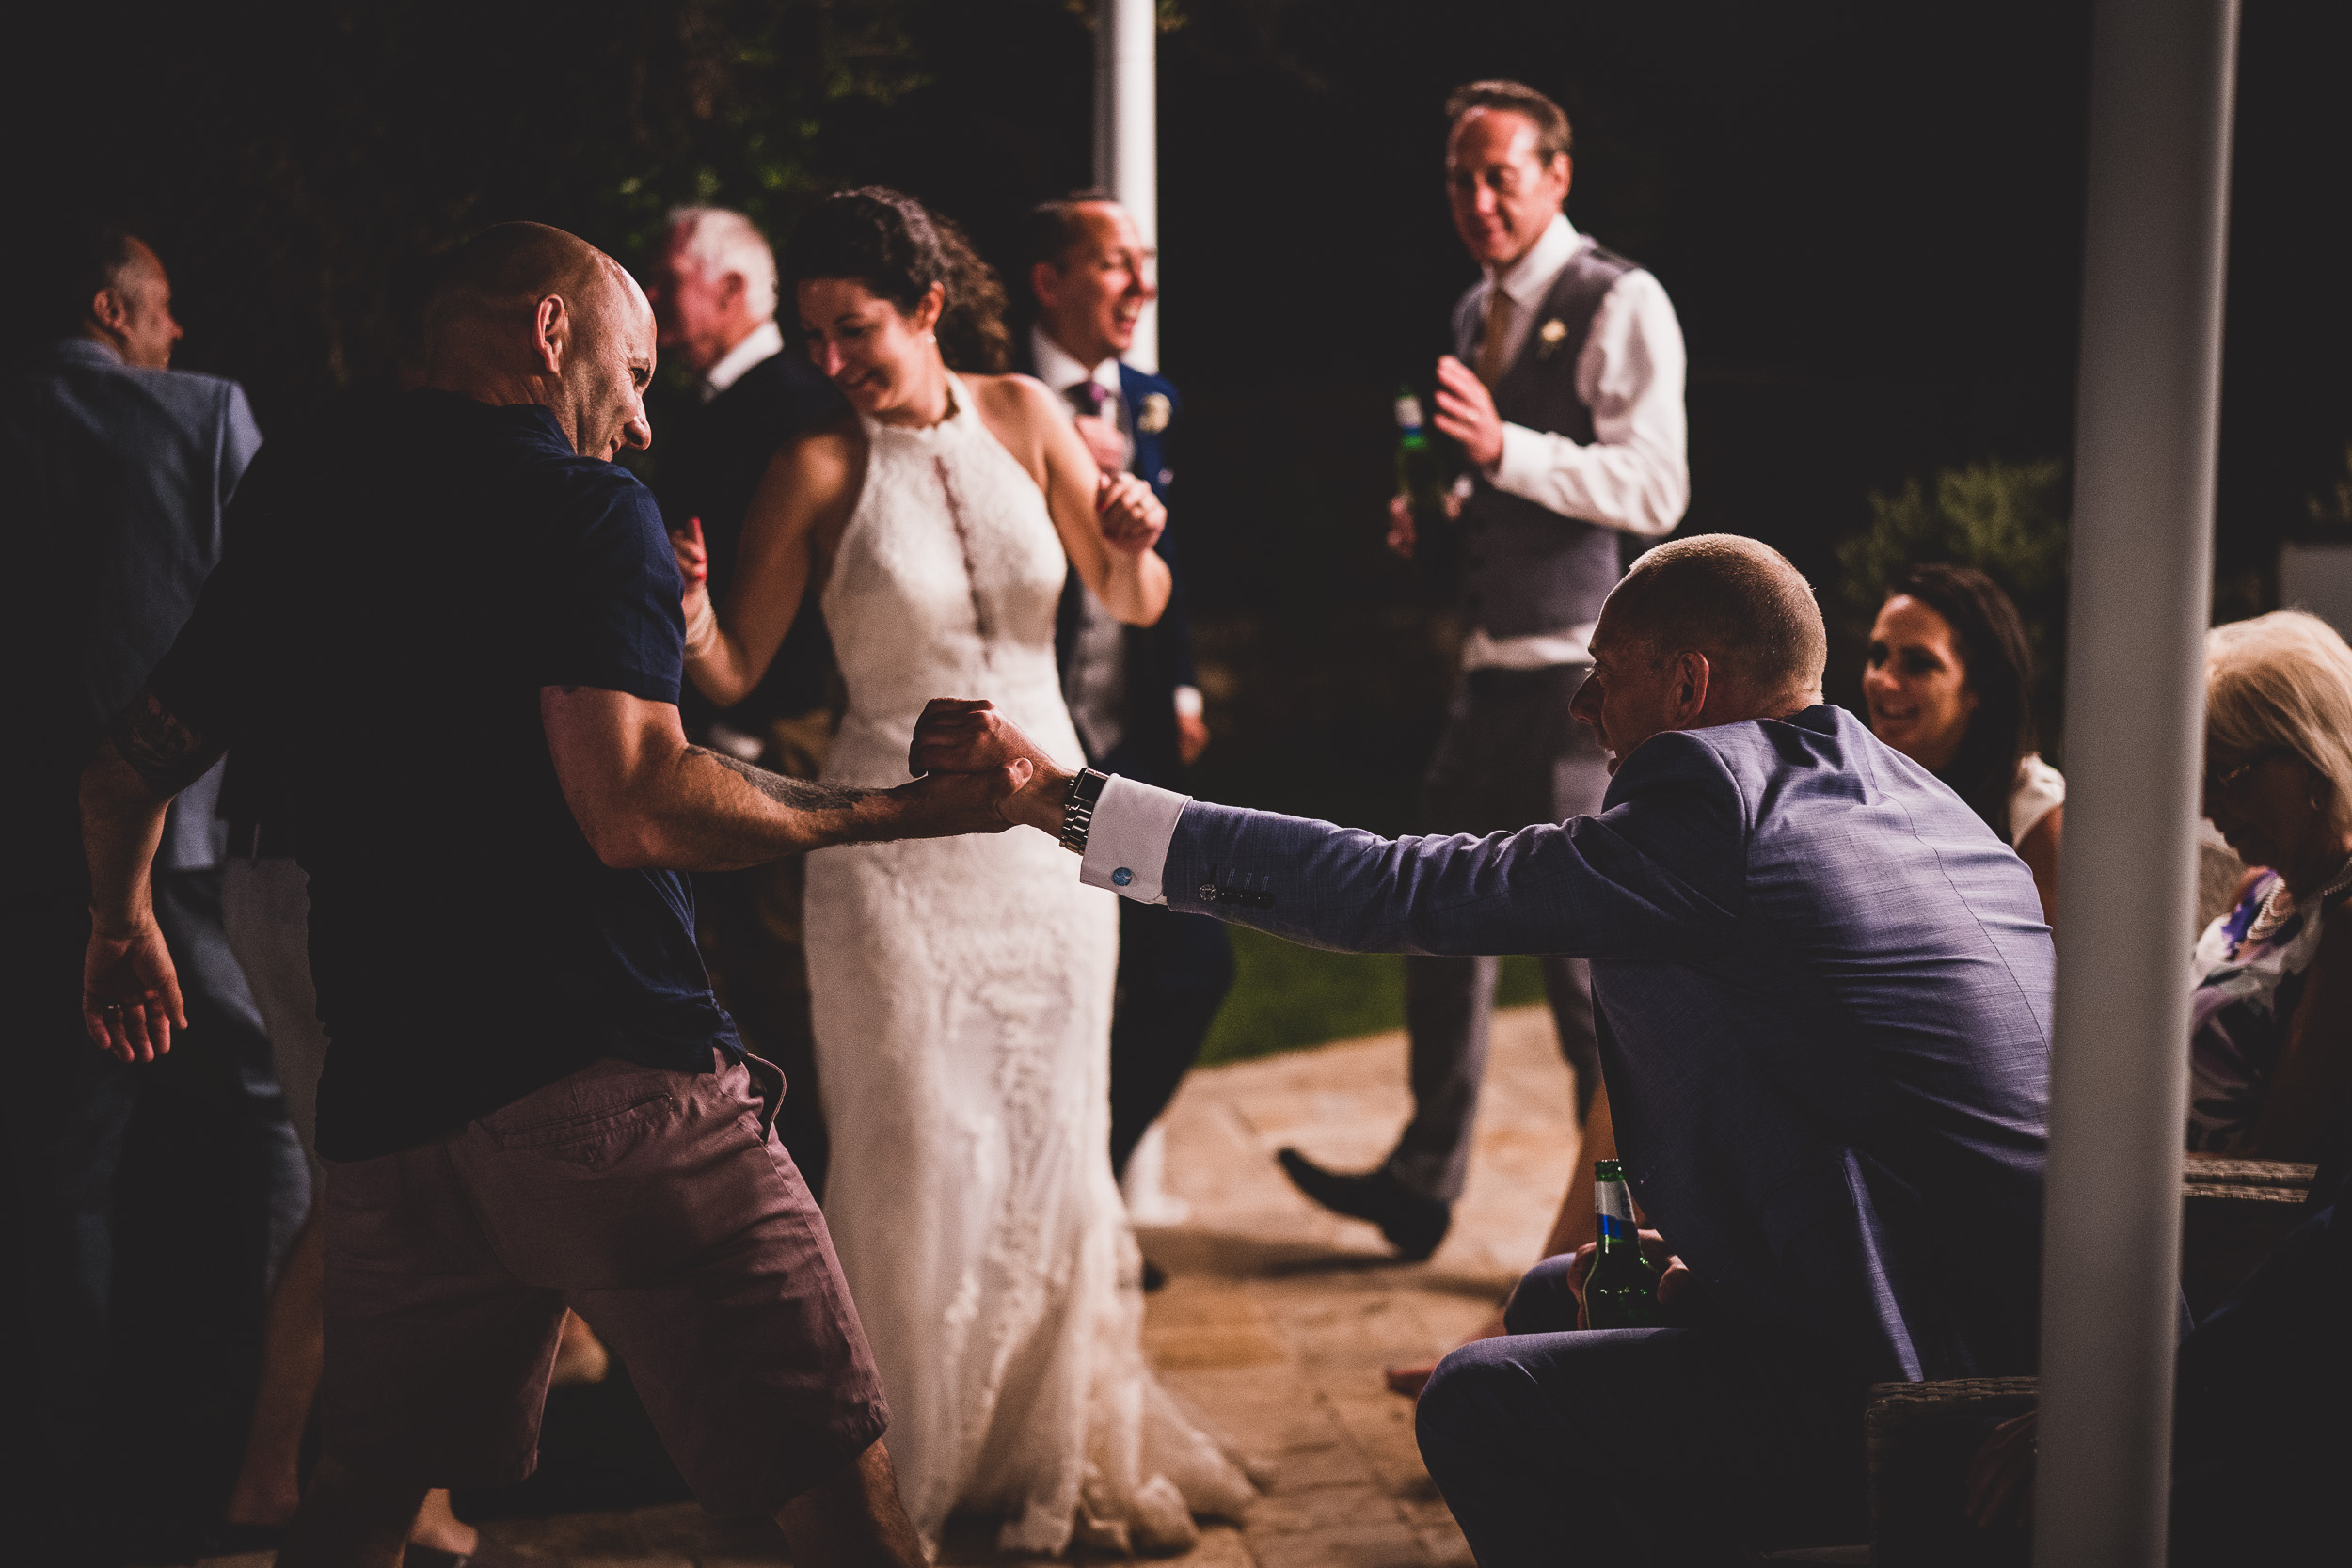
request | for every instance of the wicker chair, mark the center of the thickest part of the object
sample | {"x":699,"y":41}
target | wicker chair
{"x":1921,"y":1435}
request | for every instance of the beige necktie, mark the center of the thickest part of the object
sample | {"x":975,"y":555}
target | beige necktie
{"x":1490,"y":366}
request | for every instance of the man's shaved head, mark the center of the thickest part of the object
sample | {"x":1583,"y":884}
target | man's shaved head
{"x":510,"y":267}
{"x":1737,"y":601}
{"x":1714,"y":629}
{"x":524,"y":313}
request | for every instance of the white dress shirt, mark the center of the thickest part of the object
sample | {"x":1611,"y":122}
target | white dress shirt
{"x":1060,"y":369}
{"x":1127,"y":841}
{"x":1635,"y":475}
{"x":764,"y":341}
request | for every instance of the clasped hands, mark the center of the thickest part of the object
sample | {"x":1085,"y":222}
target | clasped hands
{"x":958,"y":735}
{"x":1132,"y":516}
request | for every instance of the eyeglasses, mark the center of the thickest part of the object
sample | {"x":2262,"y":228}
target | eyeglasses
{"x":2227,"y":783}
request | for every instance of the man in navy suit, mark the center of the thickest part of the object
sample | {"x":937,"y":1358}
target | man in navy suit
{"x":1825,"y":992}
{"x":1131,"y":688}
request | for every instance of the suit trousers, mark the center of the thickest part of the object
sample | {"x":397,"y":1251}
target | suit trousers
{"x":1174,"y":969}
{"x":1667,"y":1446}
{"x":152,"y":1202}
{"x":1510,"y":756}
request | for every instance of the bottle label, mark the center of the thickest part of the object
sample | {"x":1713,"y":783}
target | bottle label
{"x":1612,"y":1205}
{"x":1409,"y":413}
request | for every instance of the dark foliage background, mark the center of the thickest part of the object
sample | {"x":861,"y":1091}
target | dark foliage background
{"x":1867,"y":216}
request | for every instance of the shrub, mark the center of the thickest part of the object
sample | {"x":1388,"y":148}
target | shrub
{"x":2006,"y":519}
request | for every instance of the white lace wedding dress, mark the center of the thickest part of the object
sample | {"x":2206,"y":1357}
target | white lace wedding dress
{"x":962,"y":996}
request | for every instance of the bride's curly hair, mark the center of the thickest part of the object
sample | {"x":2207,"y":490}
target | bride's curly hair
{"x":893,"y":244}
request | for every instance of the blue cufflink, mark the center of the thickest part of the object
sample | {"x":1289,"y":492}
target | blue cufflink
{"x":1122,"y":877}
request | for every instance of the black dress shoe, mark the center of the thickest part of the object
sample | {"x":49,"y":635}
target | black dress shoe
{"x":1414,"y":1225}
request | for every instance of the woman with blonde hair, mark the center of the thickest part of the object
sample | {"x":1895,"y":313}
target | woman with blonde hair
{"x":2270,"y":1054}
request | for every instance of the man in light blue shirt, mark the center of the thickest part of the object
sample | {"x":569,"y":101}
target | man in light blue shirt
{"x":1825,"y":987}
{"x":120,"y":470}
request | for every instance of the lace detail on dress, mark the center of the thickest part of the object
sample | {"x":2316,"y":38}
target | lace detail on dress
{"x":960,"y":991}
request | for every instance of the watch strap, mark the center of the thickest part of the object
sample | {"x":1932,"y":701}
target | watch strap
{"x":1077,"y":818}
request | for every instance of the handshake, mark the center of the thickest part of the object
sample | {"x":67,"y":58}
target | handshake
{"x":983,"y":774}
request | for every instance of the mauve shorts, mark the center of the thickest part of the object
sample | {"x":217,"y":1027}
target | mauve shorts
{"x":657,"y":1205}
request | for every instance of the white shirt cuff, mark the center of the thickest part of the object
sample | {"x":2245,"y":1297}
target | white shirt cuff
{"x":1527,"y":459}
{"x":1127,"y":842}
{"x":1189,"y":703}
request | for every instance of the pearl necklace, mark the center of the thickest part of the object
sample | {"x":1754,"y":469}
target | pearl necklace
{"x":2278,"y":905}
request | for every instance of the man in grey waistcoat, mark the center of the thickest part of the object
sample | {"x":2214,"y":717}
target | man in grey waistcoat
{"x":1566,"y":395}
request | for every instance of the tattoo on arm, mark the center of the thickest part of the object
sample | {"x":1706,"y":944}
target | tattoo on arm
{"x":797,"y":793}
{"x":165,"y":753}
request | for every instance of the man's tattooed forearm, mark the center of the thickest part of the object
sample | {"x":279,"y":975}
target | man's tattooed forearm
{"x":162,"y":750}
{"x":797,"y":793}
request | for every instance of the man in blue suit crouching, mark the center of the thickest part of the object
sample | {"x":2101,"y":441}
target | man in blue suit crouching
{"x":1825,"y":987}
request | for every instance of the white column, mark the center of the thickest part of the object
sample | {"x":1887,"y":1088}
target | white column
{"x":1127,"y":163}
{"x":1126,"y":132}
{"x":2162,"y":79}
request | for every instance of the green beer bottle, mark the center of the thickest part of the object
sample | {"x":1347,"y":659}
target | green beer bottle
{"x":1620,"y":1293}
{"x":1419,"y":479}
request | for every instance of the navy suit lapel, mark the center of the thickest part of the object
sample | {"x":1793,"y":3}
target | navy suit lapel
{"x":1135,"y":385}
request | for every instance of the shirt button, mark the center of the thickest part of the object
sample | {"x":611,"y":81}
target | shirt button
{"x":1122,"y":877}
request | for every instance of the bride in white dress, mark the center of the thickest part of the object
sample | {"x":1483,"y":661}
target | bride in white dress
{"x":960,"y":989}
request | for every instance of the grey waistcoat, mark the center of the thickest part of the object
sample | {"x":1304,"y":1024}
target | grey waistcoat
{"x":1529,"y":569}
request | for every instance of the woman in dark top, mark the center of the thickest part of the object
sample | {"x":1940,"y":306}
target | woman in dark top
{"x":1948,"y":685}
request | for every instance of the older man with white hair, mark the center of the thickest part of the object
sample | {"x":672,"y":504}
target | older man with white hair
{"x":713,"y":287}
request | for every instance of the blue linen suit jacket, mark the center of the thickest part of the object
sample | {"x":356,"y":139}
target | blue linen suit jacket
{"x":1825,"y":986}
{"x":122,"y":476}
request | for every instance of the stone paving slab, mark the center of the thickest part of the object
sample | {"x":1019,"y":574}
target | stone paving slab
{"x":1277,"y":1319}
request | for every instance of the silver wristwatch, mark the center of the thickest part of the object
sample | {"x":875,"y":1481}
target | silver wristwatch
{"x":1077,"y":818}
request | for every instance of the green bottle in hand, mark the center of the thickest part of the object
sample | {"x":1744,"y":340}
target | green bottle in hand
{"x":1621,"y":1291}
{"x":1419,"y":477}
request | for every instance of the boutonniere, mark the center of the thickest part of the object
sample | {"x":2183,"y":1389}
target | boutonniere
{"x":1549,"y":334}
{"x":1153,"y":417}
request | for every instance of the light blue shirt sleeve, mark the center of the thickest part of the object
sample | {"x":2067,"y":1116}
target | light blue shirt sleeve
{"x":240,"y":438}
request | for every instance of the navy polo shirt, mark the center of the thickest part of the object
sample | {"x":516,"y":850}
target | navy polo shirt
{"x":398,"y":587}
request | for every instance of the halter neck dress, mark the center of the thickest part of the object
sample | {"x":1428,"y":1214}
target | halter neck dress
{"x":960,"y":991}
